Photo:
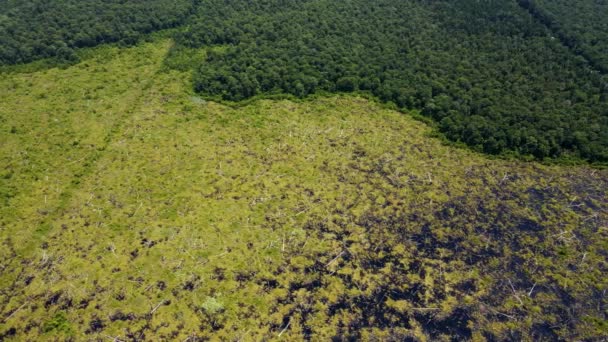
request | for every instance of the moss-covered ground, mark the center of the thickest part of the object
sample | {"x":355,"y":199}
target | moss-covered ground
{"x":132,"y":210}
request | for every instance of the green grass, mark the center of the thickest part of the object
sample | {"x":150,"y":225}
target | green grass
{"x":133,"y":209}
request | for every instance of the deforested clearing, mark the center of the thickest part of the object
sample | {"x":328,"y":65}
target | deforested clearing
{"x":132,"y":209}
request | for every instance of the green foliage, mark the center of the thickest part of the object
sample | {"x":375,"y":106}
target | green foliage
{"x":521,"y":78}
{"x":580,"y":25}
{"x":488,"y":73}
{"x":212,"y":306}
{"x":182,"y":58}
{"x":58,"y":323}
{"x":7,"y":190}
{"x":31,"y":30}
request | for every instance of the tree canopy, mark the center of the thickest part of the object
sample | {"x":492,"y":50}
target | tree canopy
{"x":31,"y":30}
{"x":489,"y":73}
{"x":524,"y":77}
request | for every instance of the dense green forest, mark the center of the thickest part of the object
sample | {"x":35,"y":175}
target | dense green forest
{"x":581,"y":25}
{"x":37,"y":29}
{"x":488,"y":72}
{"x":516,"y":77}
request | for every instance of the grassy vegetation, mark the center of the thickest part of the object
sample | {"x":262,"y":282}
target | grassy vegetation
{"x":133,"y":209}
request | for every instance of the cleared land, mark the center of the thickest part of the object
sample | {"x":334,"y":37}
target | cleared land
{"x":133,"y":209}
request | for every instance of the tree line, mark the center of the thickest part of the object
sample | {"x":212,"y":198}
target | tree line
{"x":490,"y":74}
{"x":31,"y":30}
{"x":525,"y":78}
